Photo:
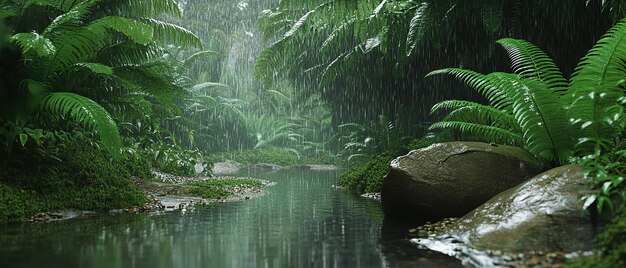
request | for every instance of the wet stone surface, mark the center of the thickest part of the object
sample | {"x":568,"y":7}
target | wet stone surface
{"x":373,"y":196}
{"x":432,"y":236}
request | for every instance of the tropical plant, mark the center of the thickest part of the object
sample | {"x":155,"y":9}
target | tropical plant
{"x":367,"y":58}
{"x":560,"y":121}
{"x":82,"y":56}
{"x":537,"y":108}
{"x":366,"y":140}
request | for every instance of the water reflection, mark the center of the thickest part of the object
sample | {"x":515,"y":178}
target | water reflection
{"x":302,"y":222}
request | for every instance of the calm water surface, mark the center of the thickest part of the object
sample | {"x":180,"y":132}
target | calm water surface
{"x":301,"y":222}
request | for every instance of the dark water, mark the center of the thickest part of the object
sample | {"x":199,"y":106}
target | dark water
{"x":302,"y":222}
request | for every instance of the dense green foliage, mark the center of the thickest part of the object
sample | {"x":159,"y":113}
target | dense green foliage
{"x":273,"y":155}
{"x":81,"y":177}
{"x":537,"y":109}
{"x":367,"y":178}
{"x":367,"y":58}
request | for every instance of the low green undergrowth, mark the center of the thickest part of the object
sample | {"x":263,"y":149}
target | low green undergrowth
{"x":274,"y":155}
{"x":368,"y":177}
{"x":227,"y":182}
{"x":80,"y":176}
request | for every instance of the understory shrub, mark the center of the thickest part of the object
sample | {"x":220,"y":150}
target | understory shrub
{"x":82,"y":177}
{"x":274,"y":155}
{"x":368,"y":177}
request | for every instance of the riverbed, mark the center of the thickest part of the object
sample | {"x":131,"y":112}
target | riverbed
{"x":300,"y":222}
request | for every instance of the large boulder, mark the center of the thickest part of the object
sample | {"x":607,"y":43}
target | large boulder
{"x":543,"y":214}
{"x":450,"y":179}
{"x":226,"y":168}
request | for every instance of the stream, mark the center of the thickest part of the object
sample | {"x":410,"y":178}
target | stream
{"x":300,"y":222}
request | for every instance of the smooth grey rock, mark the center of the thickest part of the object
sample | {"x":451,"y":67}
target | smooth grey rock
{"x":544,"y":214}
{"x":226,"y":167}
{"x":266,"y":166}
{"x":450,"y":179}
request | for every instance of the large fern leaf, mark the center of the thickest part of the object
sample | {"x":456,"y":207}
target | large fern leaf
{"x":34,"y":41}
{"x":482,"y":132}
{"x":541,"y":116}
{"x":63,"y":105}
{"x":596,"y":87}
{"x":172,"y":33}
{"x":490,"y":86}
{"x":531,"y":62}
{"x":471,"y":112}
{"x":417,"y":27}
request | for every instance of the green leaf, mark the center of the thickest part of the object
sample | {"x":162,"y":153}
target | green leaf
{"x":167,"y":32}
{"x":139,"y":32}
{"x":34,"y":41}
{"x":62,"y":105}
{"x":96,"y":68}
{"x":23,"y":139}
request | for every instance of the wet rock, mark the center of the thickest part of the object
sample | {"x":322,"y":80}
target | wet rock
{"x":542,"y":214}
{"x":450,"y":179}
{"x":266,"y":166}
{"x":373,"y":196}
{"x":542,"y":217}
{"x":318,"y":167}
{"x":226,"y":167}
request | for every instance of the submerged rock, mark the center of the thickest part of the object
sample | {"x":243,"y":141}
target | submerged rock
{"x":318,"y":167}
{"x":450,"y":179}
{"x":543,"y":214}
{"x":266,"y":166}
{"x":225,"y":168}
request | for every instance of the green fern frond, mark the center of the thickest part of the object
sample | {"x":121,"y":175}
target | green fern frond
{"x":167,"y":32}
{"x":189,"y":61}
{"x":205,"y":85}
{"x":417,"y":27}
{"x":531,"y":62}
{"x":74,"y":16}
{"x":596,"y":88}
{"x":5,"y":13}
{"x":128,"y":53}
{"x":63,"y":105}
{"x":490,"y":86}
{"x":471,"y":112}
{"x":541,"y":117}
{"x":482,"y":132}
{"x":96,"y":68}
{"x":137,"y":31}
{"x":34,"y":41}
{"x":145,"y":8}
